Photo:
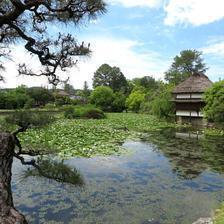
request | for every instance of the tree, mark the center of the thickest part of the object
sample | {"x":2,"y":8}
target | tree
{"x":68,"y":88}
{"x":118,"y":104}
{"x":29,"y":21}
{"x":148,"y":82}
{"x":214,"y":98}
{"x":86,"y":91}
{"x":102,"y":96}
{"x":41,"y":95}
{"x":162,"y":105}
{"x":134,"y":100}
{"x":183,"y":66}
{"x":109,"y":76}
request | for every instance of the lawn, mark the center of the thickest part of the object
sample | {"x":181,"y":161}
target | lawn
{"x":80,"y":137}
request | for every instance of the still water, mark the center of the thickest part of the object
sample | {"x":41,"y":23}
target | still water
{"x":166,"y":178}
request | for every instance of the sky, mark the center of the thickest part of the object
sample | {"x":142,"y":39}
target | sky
{"x":141,"y":37}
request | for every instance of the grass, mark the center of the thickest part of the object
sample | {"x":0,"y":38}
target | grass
{"x":88,"y":138}
{"x":219,"y":215}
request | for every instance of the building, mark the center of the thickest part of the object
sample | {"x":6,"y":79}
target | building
{"x":188,"y":98}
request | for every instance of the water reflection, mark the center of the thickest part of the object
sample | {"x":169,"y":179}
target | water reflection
{"x":163,"y":180}
{"x":56,"y":170}
{"x":190,"y":153}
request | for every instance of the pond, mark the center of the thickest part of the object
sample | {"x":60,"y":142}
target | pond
{"x":166,"y":178}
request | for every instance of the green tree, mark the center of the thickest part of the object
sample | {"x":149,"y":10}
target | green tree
{"x":118,"y":104}
{"x":148,"y":82}
{"x":162,"y":105}
{"x":102,"y":96}
{"x":68,"y":88}
{"x":134,"y":100}
{"x":109,"y":76}
{"x":41,"y":95}
{"x":86,"y":91}
{"x":214,"y":98}
{"x":188,"y":62}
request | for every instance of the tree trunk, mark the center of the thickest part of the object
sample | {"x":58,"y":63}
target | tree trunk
{"x":8,"y":214}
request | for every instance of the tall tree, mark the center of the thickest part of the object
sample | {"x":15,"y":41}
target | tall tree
{"x":86,"y":91}
{"x":148,"y":82}
{"x":109,"y":76}
{"x":29,"y":21}
{"x":188,"y":62}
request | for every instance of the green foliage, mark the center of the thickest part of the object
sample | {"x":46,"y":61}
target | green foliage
{"x":27,"y":118}
{"x":109,"y":76}
{"x":62,"y":100}
{"x":69,"y":89}
{"x":147,"y":82}
{"x":162,"y":106}
{"x":184,"y":65}
{"x":89,"y":137}
{"x":214,"y":98}
{"x":40,"y":95}
{"x":102,"y":96}
{"x":219,"y":215}
{"x":118,"y":104}
{"x":88,"y":111}
{"x":134,"y":100}
{"x":57,"y":171}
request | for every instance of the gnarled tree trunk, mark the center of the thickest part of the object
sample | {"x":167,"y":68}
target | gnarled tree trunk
{"x":8,"y":214}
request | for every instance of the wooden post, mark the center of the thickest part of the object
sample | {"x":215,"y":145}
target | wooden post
{"x":8,"y":214}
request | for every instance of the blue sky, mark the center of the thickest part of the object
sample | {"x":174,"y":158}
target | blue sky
{"x":142,"y":37}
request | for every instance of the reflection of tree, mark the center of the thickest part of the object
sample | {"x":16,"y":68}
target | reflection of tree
{"x":46,"y":168}
{"x":57,"y":171}
{"x":189,"y":157}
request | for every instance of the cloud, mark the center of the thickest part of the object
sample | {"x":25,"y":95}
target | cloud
{"x":195,"y":12}
{"x":123,"y":53}
{"x":139,"y":3}
{"x":129,"y":55}
{"x":215,"y":49}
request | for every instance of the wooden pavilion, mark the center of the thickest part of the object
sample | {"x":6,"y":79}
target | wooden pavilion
{"x":188,"y":98}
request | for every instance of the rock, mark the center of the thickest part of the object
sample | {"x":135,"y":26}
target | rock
{"x":204,"y":221}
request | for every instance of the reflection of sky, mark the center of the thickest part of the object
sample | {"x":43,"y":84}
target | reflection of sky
{"x":134,"y":188}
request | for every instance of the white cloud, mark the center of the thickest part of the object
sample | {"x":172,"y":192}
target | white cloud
{"x":139,"y":3}
{"x":116,"y":52}
{"x":216,"y":49}
{"x":195,"y":12}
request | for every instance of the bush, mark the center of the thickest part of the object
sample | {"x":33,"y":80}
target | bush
{"x":69,"y":112}
{"x":102,"y":96}
{"x":134,"y":100}
{"x":26,"y":118}
{"x":50,"y":106}
{"x":214,"y":98}
{"x":89,"y":112}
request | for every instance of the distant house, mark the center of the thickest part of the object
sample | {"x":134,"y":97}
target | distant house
{"x":188,"y":98}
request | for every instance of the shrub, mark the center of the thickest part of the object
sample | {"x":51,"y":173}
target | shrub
{"x":134,"y":100}
{"x":214,"y":98}
{"x":89,"y":112}
{"x":102,"y":96}
{"x":26,"y":118}
{"x":95,"y":113}
{"x":69,"y":112}
{"x":50,"y":106}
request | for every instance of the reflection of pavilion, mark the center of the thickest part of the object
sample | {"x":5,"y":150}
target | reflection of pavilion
{"x":189,"y":154}
{"x":185,"y":135}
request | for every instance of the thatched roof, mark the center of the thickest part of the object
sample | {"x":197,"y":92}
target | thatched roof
{"x":196,"y":83}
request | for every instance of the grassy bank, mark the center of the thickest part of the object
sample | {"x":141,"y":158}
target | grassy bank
{"x":219,"y":215}
{"x":90,"y":137}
